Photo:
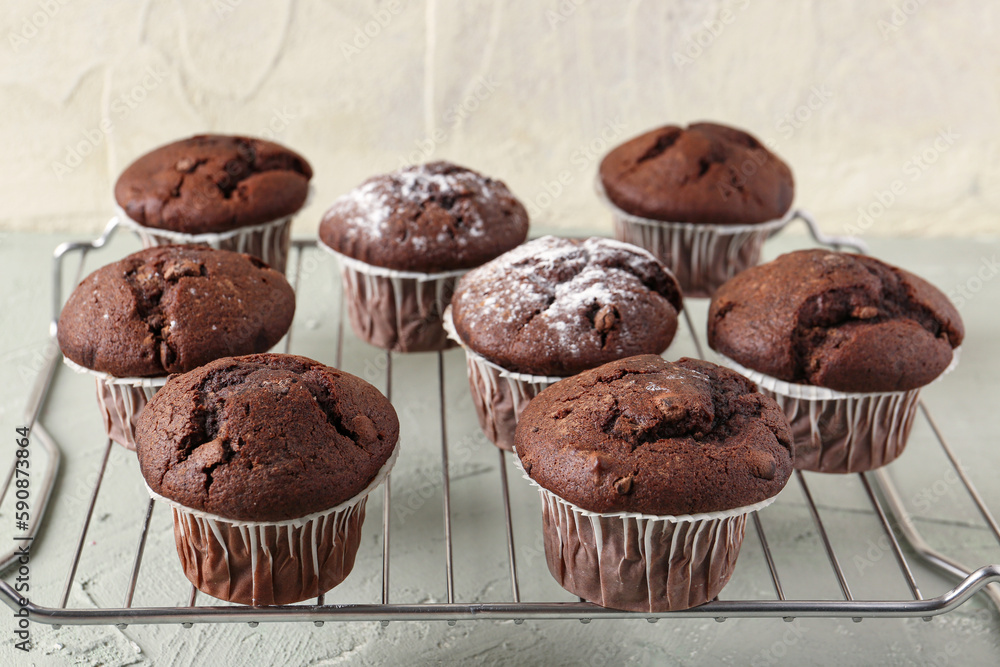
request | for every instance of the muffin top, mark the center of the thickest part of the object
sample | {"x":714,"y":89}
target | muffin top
{"x":836,"y":320}
{"x":213,"y":183}
{"x":427,"y":218}
{"x":647,"y":435}
{"x":264,"y":437}
{"x":705,"y":173}
{"x":169,"y":309}
{"x":557,"y":306}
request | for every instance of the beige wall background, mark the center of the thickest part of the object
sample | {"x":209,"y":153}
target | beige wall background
{"x":887,"y":111}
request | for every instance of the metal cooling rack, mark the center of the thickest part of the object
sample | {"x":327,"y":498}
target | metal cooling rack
{"x":885,"y":501}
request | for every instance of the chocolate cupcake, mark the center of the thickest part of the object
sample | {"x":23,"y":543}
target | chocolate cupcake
{"x":844,"y":343}
{"x":552,"y":308}
{"x":167,"y":310}
{"x":404,"y":238}
{"x":266,"y":461}
{"x":702,"y":199}
{"x":647,"y":470}
{"x":229,"y":192}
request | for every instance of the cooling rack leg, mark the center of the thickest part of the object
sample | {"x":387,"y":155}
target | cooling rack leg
{"x":694,"y":334}
{"x":909,"y":531}
{"x":834,"y":561}
{"x":505,"y":492}
{"x":449,"y":571}
{"x":86,"y":525}
{"x":140,"y":549}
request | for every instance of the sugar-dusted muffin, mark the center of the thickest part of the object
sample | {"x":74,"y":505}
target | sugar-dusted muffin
{"x":239,"y":191}
{"x":266,"y":461}
{"x":694,"y":197}
{"x":647,"y":470}
{"x":168,"y":309}
{"x":404,"y":238}
{"x":554,"y":307}
{"x":845,"y":342}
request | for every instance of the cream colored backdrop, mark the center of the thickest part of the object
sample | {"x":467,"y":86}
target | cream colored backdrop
{"x":887,"y":111}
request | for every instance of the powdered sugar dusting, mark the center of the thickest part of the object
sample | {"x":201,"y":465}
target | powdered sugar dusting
{"x":383,"y":207}
{"x":554,"y":290}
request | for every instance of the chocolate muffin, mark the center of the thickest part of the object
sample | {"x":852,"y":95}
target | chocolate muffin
{"x":213,"y":183}
{"x":266,"y":461}
{"x":843,"y":343}
{"x":428,"y":218}
{"x":554,"y":307}
{"x":706,"y":173}
{"x":702,"y":199}
{"x":647,"y":470}
{"x":168,"y":310}
{"x":646,"y":435}
{"x":172,"y":308}
{"x":229,"y":192}
{"x":404,"y":238}
{"x":847,"y":322}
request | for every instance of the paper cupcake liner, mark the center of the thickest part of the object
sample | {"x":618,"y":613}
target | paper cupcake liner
{"x":701,"y":256}
{"x":399,"y":311}
{"x":641,"y":562}
{"x":841,"y":432}
{"x":269,"y":241}
{"x":121,"y":400}
{"x":269,"y":563}
{"x":499,"y":395}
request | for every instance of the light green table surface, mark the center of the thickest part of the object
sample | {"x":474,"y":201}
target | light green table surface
{"x":965,"y":404}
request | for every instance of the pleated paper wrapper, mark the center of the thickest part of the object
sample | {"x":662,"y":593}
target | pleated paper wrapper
{"x":121,"y":400}
{"x":400,"y":311}
{"x":271,"y":563}
{"x":641,"y":562}
{"x":499,"y":395}
{"x":841,"y":432}
{"x":701,"y":256}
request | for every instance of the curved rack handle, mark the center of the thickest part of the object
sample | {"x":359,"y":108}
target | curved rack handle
{"x":837,"y":242}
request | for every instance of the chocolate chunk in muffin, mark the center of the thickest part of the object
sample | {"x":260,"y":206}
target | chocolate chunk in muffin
{"x":558,"y":306}
{"x":646,"y":435}
{"x":428,"y":218}
{"x":170,"y":309}
{"x":846,"y":322}
{"x":704,"y":173}
{"x":264,"y":437}
{"x":213,"y":183}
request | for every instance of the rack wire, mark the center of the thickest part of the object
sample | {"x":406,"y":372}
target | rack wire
{"x":905,"y":540}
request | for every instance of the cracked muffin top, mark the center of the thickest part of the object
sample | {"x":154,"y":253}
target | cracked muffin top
{"x":172,"y":308}
{"x":213,"y":183}
{"x":557,"y":306}
{"x":846,"y":322}
{"x":647,"y":435}
{"x":705,"y":173}
{"x":264,"y":437}
{"x":426,"y":218}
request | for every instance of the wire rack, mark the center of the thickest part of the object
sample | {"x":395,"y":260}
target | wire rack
{"x":904,"y":539}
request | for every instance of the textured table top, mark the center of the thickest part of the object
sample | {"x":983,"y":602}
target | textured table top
{"x":964,"y":405}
